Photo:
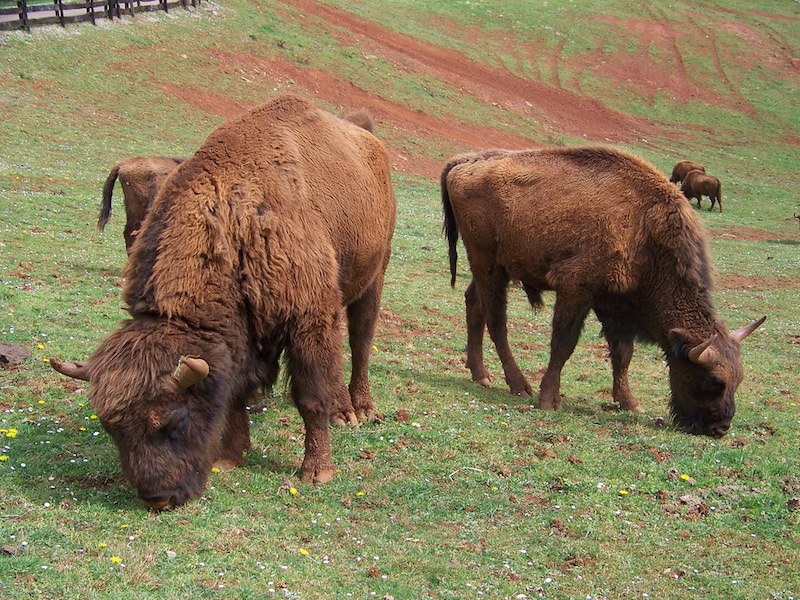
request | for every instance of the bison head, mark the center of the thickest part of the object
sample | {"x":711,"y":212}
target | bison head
{"x":703,"y":379}
{"x":163,"y":410}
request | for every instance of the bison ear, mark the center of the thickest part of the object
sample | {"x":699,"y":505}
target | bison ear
{"x":78,"y":370}
{"x":743,"y":332}
{"x":190,"y":371}
{"x":701,"y":354}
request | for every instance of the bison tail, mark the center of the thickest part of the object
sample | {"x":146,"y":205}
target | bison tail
{"x":449,"y":226}
{"x":108,"y":190}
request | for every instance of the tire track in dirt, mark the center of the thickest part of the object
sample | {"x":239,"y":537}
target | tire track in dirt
{"x":566,"y":112}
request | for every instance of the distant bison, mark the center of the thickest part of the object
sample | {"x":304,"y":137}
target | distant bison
{"x":251,"y":249}
{"x":141,"y":178}
{"x":697,"y":184}
{"x":638,"y":258}
{"x":680,"y":170}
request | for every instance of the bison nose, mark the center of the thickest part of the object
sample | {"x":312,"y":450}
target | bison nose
{"x":157,"y":502}
{"x":719,"y":429}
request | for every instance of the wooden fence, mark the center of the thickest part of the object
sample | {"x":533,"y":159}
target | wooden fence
{"x":24,"y":14}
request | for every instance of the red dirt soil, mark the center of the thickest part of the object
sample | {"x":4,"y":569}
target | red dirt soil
{"x":550,"y":104}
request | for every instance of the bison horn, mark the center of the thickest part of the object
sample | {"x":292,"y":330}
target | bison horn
{"x":77,"y":370}
{"x":743,"y":332}
{"x":190,"y":371}
{"x":703,"y":354}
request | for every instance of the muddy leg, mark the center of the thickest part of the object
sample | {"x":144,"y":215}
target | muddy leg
{"x":476,"y":323}
{"x":568,"y":315}
{"x":493,"y":294}
{"x":315,"y":367}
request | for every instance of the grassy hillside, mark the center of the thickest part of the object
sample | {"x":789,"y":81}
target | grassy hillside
{"x":461,"y":491}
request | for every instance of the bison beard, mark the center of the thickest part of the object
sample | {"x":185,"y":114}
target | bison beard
{"x":250,"y":250}
{"x":637,"y":257}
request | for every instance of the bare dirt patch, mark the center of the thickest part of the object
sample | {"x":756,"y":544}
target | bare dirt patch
{"x":751,"y":234}
{"x":742,"y":282}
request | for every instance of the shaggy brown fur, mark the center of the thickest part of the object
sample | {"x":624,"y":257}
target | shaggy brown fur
{"x":680,"y":170}
{"x":697,"y":184}
{"x":141,"y":178}
{"x":251,"y":248}
{"x":638,"y":258}
{"x":363,"y":119}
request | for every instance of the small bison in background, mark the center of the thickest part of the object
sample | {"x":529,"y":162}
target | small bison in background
{"x":250,"y":250}
{"x":680,"y":170}
{"x":141,"y":178}
{"x":697,"y":184}
{"x":641,"y":263}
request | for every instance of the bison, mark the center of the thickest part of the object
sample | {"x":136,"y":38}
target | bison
{"x":251,"y":249}
{"x":141,"y":178}
{"x":680,"y":170}
{"x":638,"y":258}
{"x":696,"y":184}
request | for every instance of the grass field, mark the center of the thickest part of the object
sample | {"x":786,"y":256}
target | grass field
{"x":461,"y":491}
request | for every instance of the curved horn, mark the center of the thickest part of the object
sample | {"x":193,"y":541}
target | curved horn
{"x":703,"y":353}
{"x":743,"y":332}
{"x":190,"y":371}
{"x":77,"y":370}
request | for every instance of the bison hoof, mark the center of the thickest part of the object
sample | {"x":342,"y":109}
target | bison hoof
{"x":318,"y":475}
{"x":484,"y":381}
{"x":345,"y":418}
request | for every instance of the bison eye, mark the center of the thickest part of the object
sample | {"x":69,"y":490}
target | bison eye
{"x":172,"y":425}
{"x":710,"y":386}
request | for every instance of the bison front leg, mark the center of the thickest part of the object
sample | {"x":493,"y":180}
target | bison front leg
{"x":476,"y":324}
{"x":569,"y":312}
{"x":315,"y":370}
{"x":621,"y":350}
{"x":235,"y":438}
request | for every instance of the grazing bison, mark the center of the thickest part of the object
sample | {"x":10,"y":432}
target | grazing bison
{"x":141,"y":178}
{"x":697,"y":184}
{"x":680,"y":170}
{"x":251,"y":249}
{"x":638,"y":258}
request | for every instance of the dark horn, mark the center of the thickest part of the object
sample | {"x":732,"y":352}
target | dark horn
{"x":703,"y":354}
{"x":190,"y":371}
{"x":77,"y":370}
{"x":743,"y":332}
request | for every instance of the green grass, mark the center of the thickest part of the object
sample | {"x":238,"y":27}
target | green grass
{"x":461,"y":491}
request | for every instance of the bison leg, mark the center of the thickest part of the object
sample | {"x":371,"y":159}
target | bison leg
{"x":569,"y":312}
{"x":621,"y":350}
{"x":235,"y":438}
{"x":493,"y":293}
{"x":476,"y":323}
{"x":315,"y":367}
{"x":362,"y":315}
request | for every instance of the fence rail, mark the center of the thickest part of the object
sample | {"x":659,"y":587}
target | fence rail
{"x":24,"y":14}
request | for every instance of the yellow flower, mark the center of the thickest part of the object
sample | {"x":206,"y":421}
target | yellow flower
{"x":293,"y":491}
{"x":360,"y":493}
{"x":81,"y":428}
{"x":123,"y":526}
{"x":116,"y":560}
{"x":41,"y":401}
{"x":40,"y":346}
{"x":303,"y":551}
{"x":623,"y":492}
{"x":12,"y":433}
{"x":4,"y":458}
{"x":494,"y":488}
{"x":102,"y":545}
{"x":47,"y":360}
{"x":215,"y":469}
{"x":92,"y":417}
{"x":685,"y":477}
{"x":375,"y":348}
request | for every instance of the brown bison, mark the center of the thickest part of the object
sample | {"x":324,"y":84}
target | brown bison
{"x":141,"y":178}
{"x":638,"y":258}
{"x":251,"y":249}
{"x":697,"y":184}
{"x":680,"y":170}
